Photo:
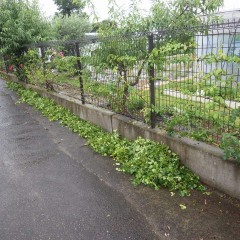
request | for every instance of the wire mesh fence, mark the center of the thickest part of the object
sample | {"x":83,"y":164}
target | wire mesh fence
{"x":184,"y":80}
{"x":197,"y":89}
{"x":115,"y":74}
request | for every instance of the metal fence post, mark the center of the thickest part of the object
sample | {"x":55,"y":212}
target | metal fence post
{"x":42,"y":52}
{"x":43,"y":60}
{"x":5,"y":64}
{"x":79,"y":70}
{"x":151,"y":75}
{"x":22,"y":74}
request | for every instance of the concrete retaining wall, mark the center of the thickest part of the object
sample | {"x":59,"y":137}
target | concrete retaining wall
{"x":98,"y":116}
{"x":203,"y":159}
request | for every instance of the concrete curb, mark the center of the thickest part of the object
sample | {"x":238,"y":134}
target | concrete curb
{"x":203,"y":159}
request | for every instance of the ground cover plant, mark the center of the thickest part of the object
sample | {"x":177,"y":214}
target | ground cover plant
{"x":149,"y":163}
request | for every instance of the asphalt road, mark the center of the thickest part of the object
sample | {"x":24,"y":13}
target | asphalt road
{"x":53,"y":186}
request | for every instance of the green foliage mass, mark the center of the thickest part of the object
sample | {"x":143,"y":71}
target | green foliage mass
{"x":231,"y":146}
{"x":149,"y":163}
{"x":105,"y":24}
{"x":162,"y":15}
{"x":179,"y":13}
{"x":67,"y":7}
{"x":20,"y":23}
{"x":38,"y":71}
{"x":70,"y":28}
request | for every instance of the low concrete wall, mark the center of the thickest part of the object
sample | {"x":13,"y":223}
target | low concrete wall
{"x":203,"y":159}
{"x":98,"y":116}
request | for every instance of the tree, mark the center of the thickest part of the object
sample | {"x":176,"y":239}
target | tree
{"x":180,"y":13}
{"x":104,"y":25}
{"x":67,"y":7}
{"x":21,"y":23}
{"x":70,"y":28}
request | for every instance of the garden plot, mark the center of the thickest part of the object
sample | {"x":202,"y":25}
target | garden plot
{"x":199,"y":98}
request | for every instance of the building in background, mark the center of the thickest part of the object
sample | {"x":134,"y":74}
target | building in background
{"x":221,"y":38}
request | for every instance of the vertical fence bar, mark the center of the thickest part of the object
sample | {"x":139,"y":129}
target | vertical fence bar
{"x":21,"y":69}
{"x":48,"y":84}
{"x":42,"y":53}
{"x":43,"y":60}
{"x":151,"y":75}
{"x":5,"y":64}
{"x":79,"y":70}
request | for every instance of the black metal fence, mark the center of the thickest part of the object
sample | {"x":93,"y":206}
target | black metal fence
{"x":184,"y":80}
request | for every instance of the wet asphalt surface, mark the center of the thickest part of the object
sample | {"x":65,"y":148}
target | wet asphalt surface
{"x":53,"y":186}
